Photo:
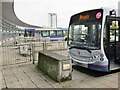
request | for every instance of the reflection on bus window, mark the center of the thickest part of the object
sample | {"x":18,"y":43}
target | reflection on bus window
{"x":52,"y":33}
{"x":114,"y":30}
{"x":112,"y":35}
{"x":114,"y":25}
{"x":88,"y":34}
{"x":59,"y":33}
{"x":45,"y":33}
{"x":65,"y":33}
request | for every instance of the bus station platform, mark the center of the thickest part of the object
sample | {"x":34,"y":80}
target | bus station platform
{"x":18,"y":70}
{"x":27,"y":75}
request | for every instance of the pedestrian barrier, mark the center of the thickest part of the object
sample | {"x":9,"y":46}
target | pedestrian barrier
{"x":11,"y":55}
{"x":26,"y":52}
{"x":47,"y":46}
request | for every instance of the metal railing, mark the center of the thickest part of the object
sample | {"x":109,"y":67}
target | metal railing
{"x":27,"y":52}
{"x":11,"y":55}
{"x":41,"y":46}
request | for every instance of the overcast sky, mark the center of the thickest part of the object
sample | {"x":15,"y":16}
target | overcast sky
{"x":36,"y":11}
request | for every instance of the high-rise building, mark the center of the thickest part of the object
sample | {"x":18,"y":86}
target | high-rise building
{"x":52,"y":20}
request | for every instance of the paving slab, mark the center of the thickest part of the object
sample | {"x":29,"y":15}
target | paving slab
{"x":26,"y":75}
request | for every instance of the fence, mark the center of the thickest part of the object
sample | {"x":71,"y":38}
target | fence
{"x":11,"y":55}
{"x":26,"y":52}
{"x":41,"y":46}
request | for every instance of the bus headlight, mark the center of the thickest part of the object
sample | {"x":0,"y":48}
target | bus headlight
{"x":101,"y":59}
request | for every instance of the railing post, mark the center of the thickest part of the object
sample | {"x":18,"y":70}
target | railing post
{"x":43,"y":46}
{"x":30,"y":50}
{"x":33,"y":52}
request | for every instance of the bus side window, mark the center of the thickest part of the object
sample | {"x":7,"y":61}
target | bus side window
{"x":52,"y":33}
{"x":59,"y":33}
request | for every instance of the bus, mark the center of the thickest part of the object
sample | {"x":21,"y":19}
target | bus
{"x":94,"y":39}
{"x":29,"y":32}
{"x":51,"y":34}
{"x":24,"y":42}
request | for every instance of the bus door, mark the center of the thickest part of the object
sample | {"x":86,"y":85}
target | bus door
{"x":113,"y":43}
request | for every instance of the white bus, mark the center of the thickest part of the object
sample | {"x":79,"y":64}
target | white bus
{"x":94,"y":39}
{"x":51,"y":34}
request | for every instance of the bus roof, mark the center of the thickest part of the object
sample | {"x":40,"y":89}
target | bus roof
{"x":41,"y":29}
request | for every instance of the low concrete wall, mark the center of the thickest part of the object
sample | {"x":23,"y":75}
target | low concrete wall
{"x":55,"y":65}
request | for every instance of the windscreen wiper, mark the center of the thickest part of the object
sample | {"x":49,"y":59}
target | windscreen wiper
{"x":77,"y":47}
{"x":89,"y":50}
{"x":81,"y":48}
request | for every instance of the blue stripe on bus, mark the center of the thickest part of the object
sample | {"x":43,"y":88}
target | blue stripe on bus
{"x":30,"y":30}
{"x":56,"y":36}
{"x":98,"y":67}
